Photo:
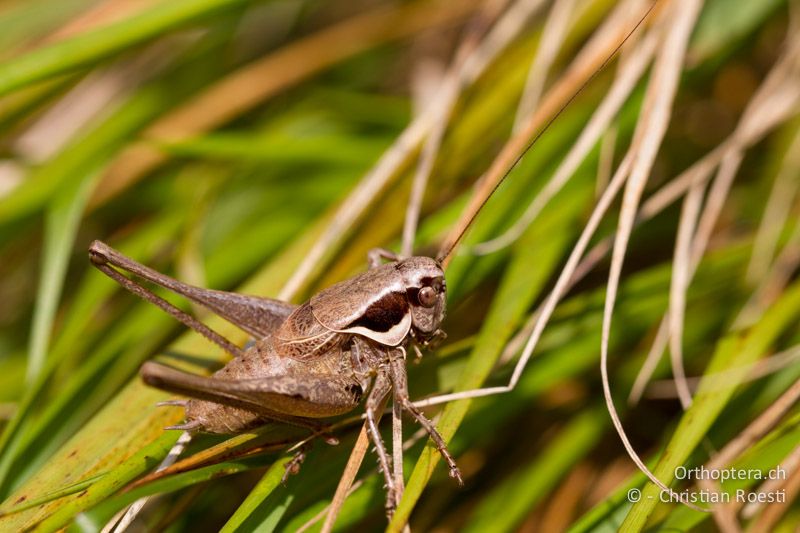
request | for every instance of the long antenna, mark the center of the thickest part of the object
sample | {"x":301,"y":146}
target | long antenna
{"x":472,"y":210}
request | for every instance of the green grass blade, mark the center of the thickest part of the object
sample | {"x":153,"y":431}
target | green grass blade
{"x":733,"y":352}
{"x":505,"y":506}
{"x":94,"y":45}
{"x":531,"y":266}
{"x":251,"y":507}
{"x":61,"y":227}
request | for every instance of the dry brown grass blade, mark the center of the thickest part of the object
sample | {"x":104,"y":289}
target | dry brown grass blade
{"x":346,"y":481}
{"x":627,"y":78}
{"x":416,"y":437}
{"x":450,"y":87}
{"x":600,"y":49}
{"x":507,"y":28}
{"x":553,"y":35}
{"x":650,"y":130}
{"x":262,"y":79}
{"x":769,"y":519}
{"x":775,"y":101}
{"x":790,"y":466}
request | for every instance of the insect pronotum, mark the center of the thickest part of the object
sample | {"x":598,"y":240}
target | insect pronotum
{"x":345,"y":345}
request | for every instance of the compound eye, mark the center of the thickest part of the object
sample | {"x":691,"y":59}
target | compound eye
{"x":427,"y":297}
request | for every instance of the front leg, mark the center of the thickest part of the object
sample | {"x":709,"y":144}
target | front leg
{"x":397,"y":370}
{"x":374,"y":410}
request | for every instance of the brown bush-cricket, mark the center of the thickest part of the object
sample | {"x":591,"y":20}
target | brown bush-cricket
{"x":315,"y":360}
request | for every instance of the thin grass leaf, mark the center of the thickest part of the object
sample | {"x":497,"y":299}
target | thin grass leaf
{"x":97,"y":44}
{"x":521,"y":283}
{"x":733,"y":352}
{"x":261,"y":190}
{"x":61,"y":227}
{"x":253,"y":510}
{"x":123,"y":419}
{"x":506,"y":505}
{"x":66,"y":491}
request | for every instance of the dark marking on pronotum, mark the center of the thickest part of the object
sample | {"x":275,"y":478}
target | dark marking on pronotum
{"x":383,"y":314}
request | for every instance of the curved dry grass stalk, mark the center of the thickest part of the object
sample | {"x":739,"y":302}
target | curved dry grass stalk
{"x":629,"y":74}
{"x":650,"y":130}
{"x":688,"y":254}
{"x":775,"y":101}
{"x":678,"y":287}
{"x":553,"y":35}
{"x":695,"y":176}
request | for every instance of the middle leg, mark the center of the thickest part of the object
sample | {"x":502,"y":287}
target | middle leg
{"x":374,"y":409}
{"x":398,"y":374}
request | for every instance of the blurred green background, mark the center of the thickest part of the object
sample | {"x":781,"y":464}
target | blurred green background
{"x":217,"y":141}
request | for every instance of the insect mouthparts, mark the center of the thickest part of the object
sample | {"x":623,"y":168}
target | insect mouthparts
{"x":97,"y":253}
